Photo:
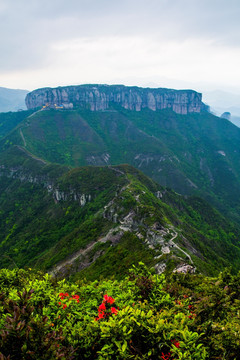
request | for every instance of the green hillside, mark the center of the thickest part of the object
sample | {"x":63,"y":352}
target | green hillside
{"x":92,"y":219}
{"x":193,"y":154}
{"x":9,"y":120}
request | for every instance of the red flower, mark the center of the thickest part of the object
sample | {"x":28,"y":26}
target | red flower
{"x":64,"y":306}
{"x":108,"y":299}
{"x":114,"y":310}
{"x":176,"y":343}
{"x":166,"y":356}
{"x":104,"y":310}
{"x":63,"y":295}
{"x":102,"y":307}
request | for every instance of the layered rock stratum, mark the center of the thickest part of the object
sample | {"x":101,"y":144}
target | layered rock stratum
{"x":101,"y":97}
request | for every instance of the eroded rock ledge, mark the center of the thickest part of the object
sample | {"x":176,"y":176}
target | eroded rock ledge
{"x":101,"y":97}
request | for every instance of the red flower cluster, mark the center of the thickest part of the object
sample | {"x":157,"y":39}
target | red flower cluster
{"x":168,"y":356}
{"x":192,"y":314}
{"x":64,"y":296}
{"x":75,"y":297}
{"x":104,"y":310}
{"x":190,"y":307}
{"x":108,"y":299}
{"x":176,"y":343}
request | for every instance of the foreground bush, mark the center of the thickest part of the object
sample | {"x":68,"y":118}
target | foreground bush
{"x":145,"y":316}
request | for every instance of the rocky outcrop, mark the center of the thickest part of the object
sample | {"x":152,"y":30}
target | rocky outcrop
{"x":53,"y":189}
{"x":101,"y":97}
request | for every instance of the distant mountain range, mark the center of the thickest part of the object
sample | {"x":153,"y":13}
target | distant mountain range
{"x":223,"y":101}
{"x":12,"y":99}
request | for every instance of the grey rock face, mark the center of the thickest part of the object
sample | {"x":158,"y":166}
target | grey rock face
{"x":58,"y":195}
{"x":100,"y":98}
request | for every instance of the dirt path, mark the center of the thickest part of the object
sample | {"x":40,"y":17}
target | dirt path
{"x":31,"y":155}
{"x":20,"y":131}
{"x":34,"y":113}
{"x":23,"y":138}
{"x":71,"y":260}
{"x":172,"y":243}
{"x":83,"y":252}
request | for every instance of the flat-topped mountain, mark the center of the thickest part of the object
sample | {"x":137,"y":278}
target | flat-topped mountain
{"x":100,"y":98}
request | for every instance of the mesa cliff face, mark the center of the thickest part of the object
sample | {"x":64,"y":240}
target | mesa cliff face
{"x":100,"y":98}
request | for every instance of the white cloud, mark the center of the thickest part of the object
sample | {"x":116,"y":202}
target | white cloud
{"x":58,"y":42}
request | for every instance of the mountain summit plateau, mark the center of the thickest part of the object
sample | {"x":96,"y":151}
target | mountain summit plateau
{"x":100,"y":98}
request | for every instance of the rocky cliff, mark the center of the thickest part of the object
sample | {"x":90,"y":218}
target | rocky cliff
{"x":100,"y":98}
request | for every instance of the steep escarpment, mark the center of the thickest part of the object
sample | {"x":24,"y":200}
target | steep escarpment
{"x":101,"y":97}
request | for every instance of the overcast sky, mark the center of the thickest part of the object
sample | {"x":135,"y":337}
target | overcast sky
{"x":167,"y":43}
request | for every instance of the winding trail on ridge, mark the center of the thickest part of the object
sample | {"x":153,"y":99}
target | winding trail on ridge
{"x":83,"y":252}
{"x":23,"y":148}
{"x":20,"y":130}
{"x":31,"y":155}
{"x":23,"y":138}
{"x":172,"y":243}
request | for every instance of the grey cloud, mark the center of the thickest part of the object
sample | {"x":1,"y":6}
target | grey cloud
{"x":29,"y":28}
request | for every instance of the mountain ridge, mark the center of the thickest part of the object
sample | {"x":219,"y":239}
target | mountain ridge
{"x":78,"y":220}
